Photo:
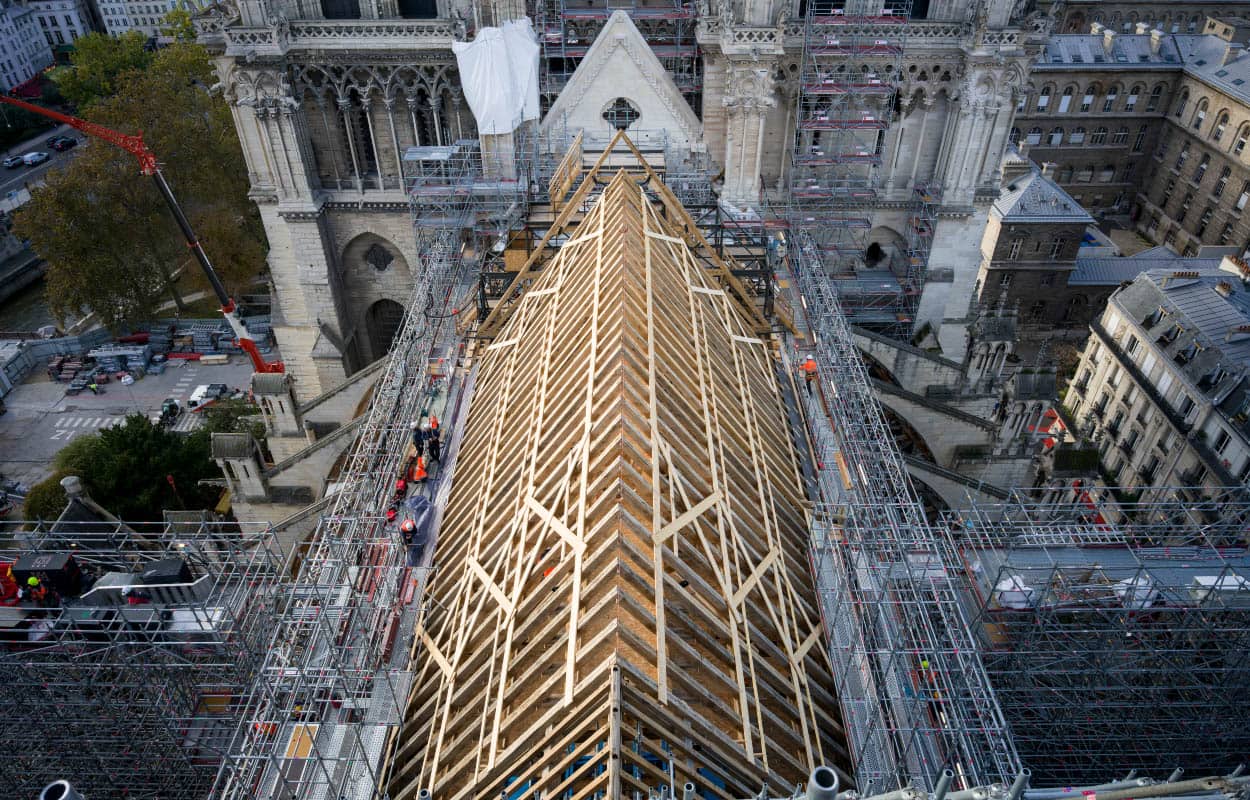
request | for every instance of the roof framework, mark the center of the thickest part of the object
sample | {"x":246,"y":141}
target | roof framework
{"x":623,"y":599}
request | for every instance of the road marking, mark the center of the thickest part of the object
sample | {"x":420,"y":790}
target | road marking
{"x":60,"y":423}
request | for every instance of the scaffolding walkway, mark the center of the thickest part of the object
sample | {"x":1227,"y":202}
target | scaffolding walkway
{"x":915,"y":696}
{"x":329,"y":701}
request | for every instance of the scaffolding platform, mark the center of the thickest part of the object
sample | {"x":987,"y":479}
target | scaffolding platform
{"x":1113,"y":633}
{"x":126,"y":679}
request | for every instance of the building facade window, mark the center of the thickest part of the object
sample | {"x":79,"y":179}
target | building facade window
{"x":1221,"y":182}
{"x":1221,"y":441}
{"x":1204,"y":221}
{"x":1200,"y":115}
{"x":1139,"y":143}
{"x":1108,"y":102}
{"x":1183,"y":211}
{"x":1034,"y":137}
{"x":1239,"y":144}
{"x":1043,"y":99}
{"x":1220,"y":125}
{"x":1056,"y":247}
{"x":1099,"y":136}
{"x":1244,"y":197}
{"x":1226,"y":234}
{"x":1065,"y":100}
{"x":1056,"y":137}
{"x":1201,"y":170}
{"x":1181,"y":157}
{"x":1014,"y":253}
{"x":1087,"y":102}
{"x":1077,"y":136}
{"x":1120,"y":136}
{"x":1152,"y":103}
{"x":1004,"y":281}
{"x":1181,"y":104}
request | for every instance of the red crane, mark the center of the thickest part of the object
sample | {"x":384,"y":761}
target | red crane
{"x":149,"y":166}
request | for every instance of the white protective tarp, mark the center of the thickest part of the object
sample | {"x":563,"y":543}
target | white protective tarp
{"x":499,"y":73}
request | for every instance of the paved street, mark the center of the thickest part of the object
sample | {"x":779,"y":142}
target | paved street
{"x":13,"y":179}
{"x":42,"y":420}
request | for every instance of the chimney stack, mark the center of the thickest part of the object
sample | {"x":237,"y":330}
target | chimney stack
{"x":1108,"y":40}
{"x":1143,"y":28}
{"x":1096,"y":28}
{"x":1156,"y":41}
{"x":1048,"y":167}
{"x":1231,"y":51}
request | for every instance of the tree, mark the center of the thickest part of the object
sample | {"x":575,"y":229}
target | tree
{"x":46,"y":499}
{"x":110,"y":243}
{"x":98,"y":64}
{"x":177,"y":26}
{"x":124,"y":468}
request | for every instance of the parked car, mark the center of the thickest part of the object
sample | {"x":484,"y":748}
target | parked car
{"x":31,"y":159}
{"x":64,"y":143}
{"x":48,"y":142}
{"x":13,"y":162}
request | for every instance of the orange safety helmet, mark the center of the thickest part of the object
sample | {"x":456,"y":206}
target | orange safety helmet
{"x":408,"y":525}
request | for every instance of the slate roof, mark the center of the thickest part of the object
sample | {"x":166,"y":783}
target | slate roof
{"x":1128,"y":51}
{"x":1208,"y":319}
{"x":1036,"y":198}
{"x":1112,"y":271}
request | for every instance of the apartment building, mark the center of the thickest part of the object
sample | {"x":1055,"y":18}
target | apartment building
{"x":1163,"y":385}
{"x":1094,"y":108}
{"x":146,"y":16}
{"x":23,"y":50}
{"x":1152,"y":125}
{"x":62,"y":21}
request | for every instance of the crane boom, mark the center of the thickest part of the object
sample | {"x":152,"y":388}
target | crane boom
{"x":149,"y":166}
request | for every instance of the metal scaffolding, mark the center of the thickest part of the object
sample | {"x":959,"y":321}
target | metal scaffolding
{"x":130,"y":699}
{"x":329,"y":699}
{"x":852,"y":52}
{"x":915,"y":697}
{"x":1114,"y":634}
{"x":566,"y":30}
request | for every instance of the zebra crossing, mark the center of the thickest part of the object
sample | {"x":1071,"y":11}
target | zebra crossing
{"x":68,"y":427}
{"x":186,"y":380}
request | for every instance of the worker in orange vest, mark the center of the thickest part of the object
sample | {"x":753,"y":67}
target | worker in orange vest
{"x":809,"y":372}
{"x":418,"y":472}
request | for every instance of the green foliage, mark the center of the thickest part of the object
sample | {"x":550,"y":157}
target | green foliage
{"x":124,"y":469}
{"x":110,"y":243}
{"x":177,"y":25}
{"x":100,"y":63}
{"x":46,"y":499}
{"x":237,"y":416}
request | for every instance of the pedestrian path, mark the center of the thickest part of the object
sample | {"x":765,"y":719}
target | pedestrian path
{"x":186,"y":381}
{"x":69,"y":426}
{"x":186,"y":422}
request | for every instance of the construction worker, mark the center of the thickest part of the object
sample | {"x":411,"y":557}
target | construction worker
{"x":408,"y":527}
{"x":419,"y":474}
{"x":38,"y":592}
{"x":809,"y":372}
{"x":433,"y":423}
{"x":433,"y":444}
{"x":418,"y":436}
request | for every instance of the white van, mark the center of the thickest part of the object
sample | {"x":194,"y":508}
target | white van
{"x":206,"y":394}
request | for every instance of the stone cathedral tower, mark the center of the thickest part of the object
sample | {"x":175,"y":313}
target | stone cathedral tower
{"x":327,"y":96}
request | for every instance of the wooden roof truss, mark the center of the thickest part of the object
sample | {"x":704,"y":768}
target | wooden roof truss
{"x":623,"y":598}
